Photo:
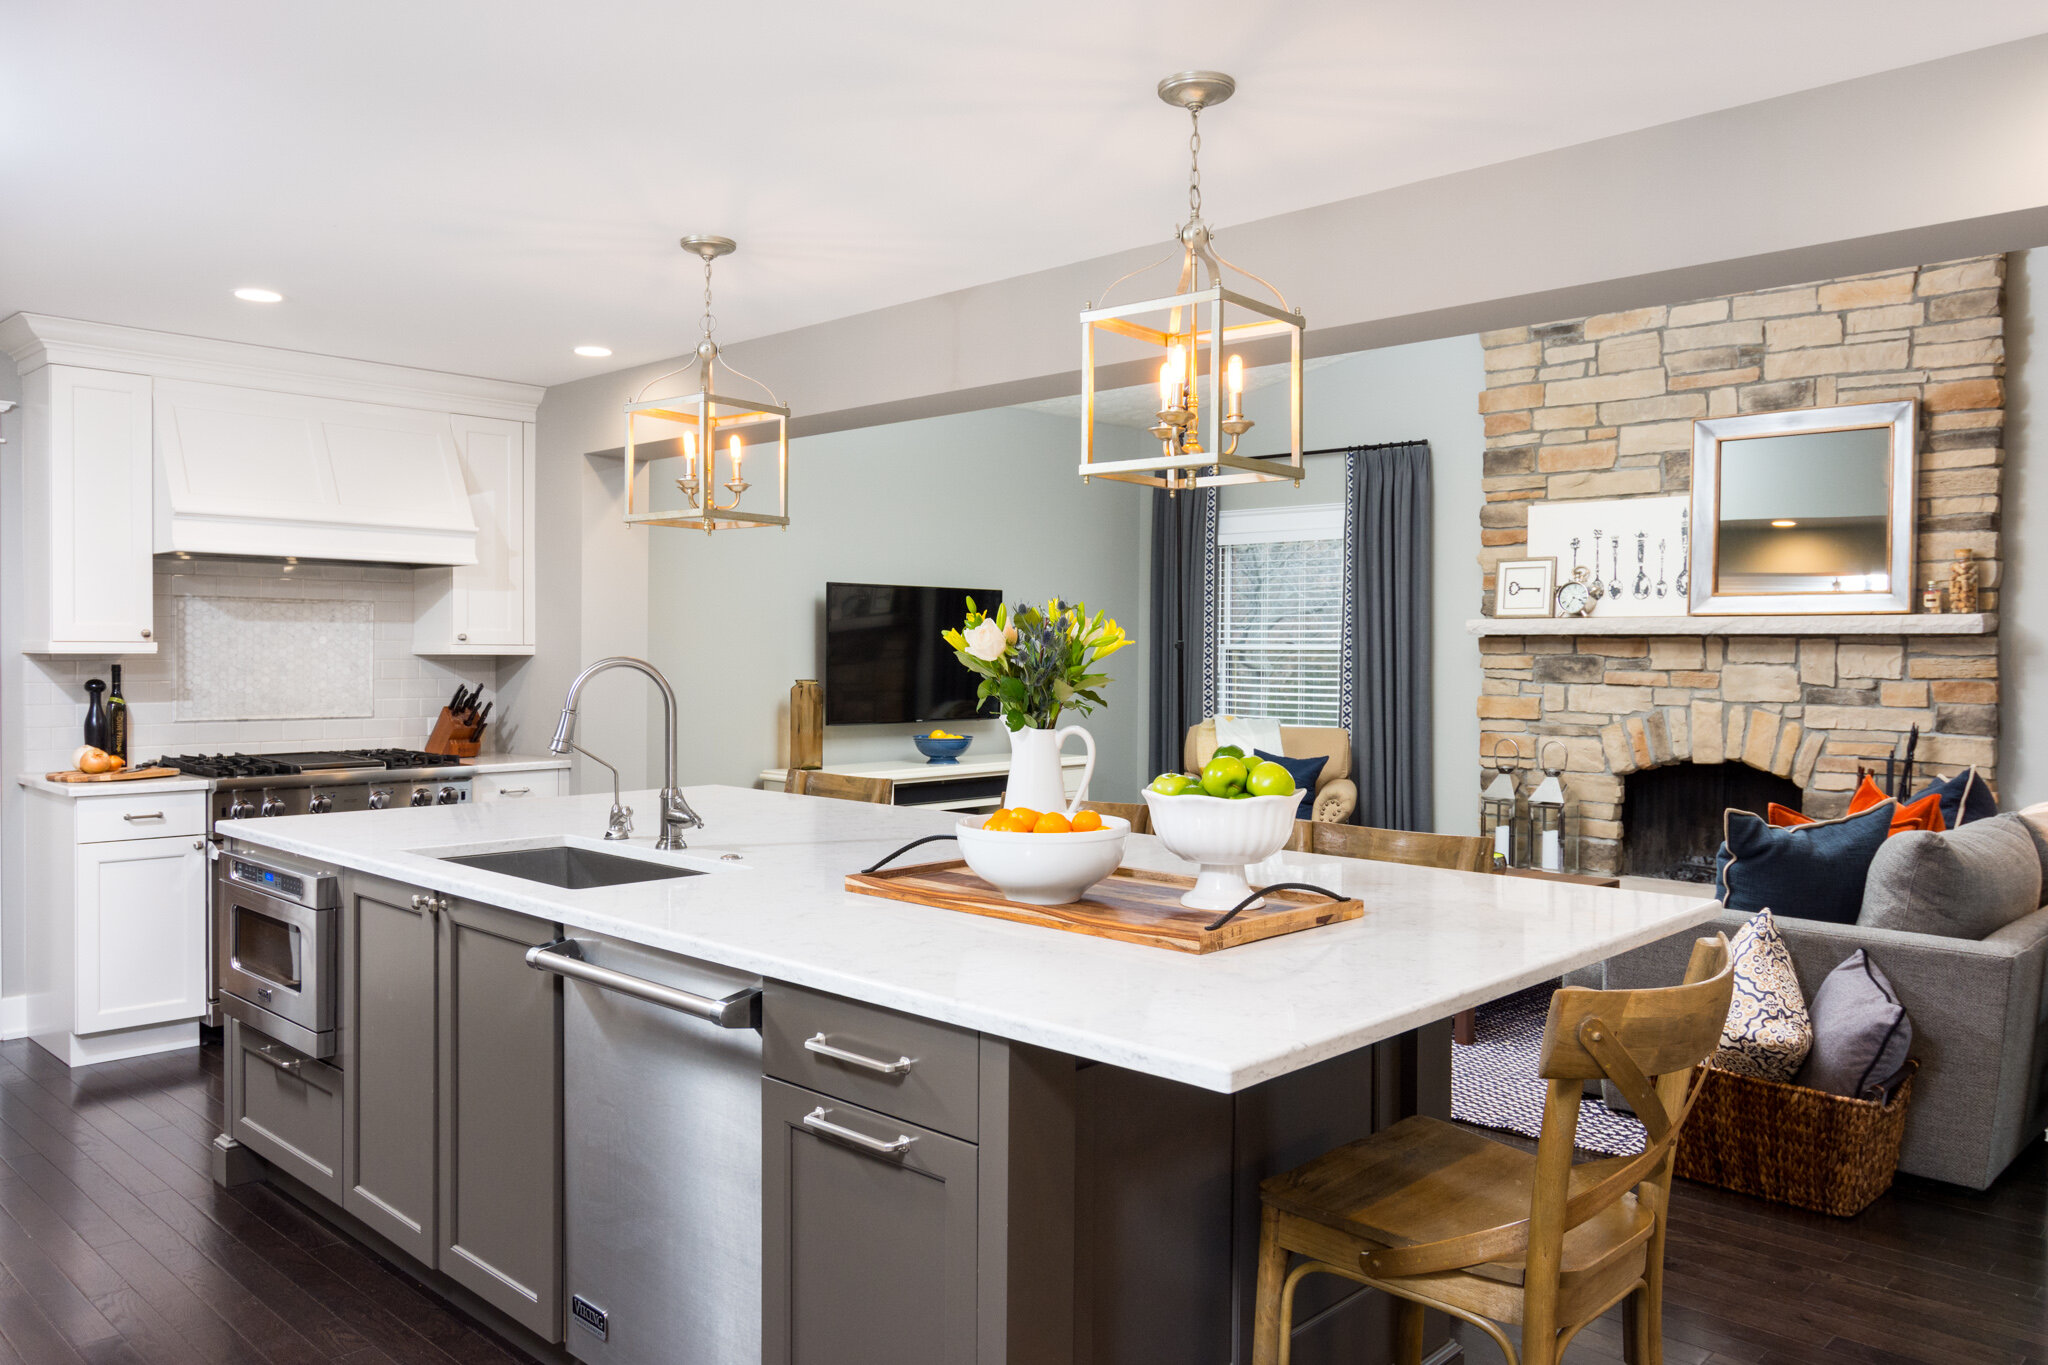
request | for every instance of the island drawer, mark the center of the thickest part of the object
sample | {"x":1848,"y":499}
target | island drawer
{"x":287,"y":1108}
{"x":909,"y":1068}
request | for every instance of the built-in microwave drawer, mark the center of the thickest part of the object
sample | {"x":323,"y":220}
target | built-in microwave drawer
{"x":275,"y":961}
{"x":287,"y":1108}
{"x":910,"y":1068}
{"x":102,"y":819}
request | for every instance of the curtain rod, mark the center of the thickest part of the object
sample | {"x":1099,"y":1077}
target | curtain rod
{"x":1346,"y":450}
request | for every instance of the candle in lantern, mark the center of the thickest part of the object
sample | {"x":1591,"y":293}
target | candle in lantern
{"x":1236,"y":386}
{"x":738,"y":451}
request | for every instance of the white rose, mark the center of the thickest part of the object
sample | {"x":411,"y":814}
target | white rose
{"x":986,"y":641}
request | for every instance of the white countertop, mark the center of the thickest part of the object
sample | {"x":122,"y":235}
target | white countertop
{"x":486,"y":763}
{"x":1429,"y":944}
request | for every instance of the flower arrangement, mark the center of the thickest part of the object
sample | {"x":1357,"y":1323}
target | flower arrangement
{"x":1040,"y":662}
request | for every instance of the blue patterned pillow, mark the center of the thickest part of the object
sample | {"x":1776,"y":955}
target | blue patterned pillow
{"x":1306,"y":771}
{"x":1768,"y":1032}
{"x":1964,"y":797}
{"x":1812,"y":871}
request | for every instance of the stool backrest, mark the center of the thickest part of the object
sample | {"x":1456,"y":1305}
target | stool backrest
{"x":1457,"y":852}
{"x":1138,"y":814}
{"x":878,"y":791}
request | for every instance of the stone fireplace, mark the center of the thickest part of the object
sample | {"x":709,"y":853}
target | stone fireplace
{"x":1602,"y":407}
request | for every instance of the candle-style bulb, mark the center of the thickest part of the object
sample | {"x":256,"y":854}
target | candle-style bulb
{"x":1236,"y":375}
{"x":1165,"y":385}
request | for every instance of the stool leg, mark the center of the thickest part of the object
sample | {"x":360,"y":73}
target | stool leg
{"x":1269,"y":1321}
{"x":1407,"y":1332}
{"x":1465,"y":1028}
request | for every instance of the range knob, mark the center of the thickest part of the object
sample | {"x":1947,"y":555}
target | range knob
{"x":422,"y":797}
{"x":241,"y":808}
{"x":272,"y":805}
{"x":448,"y":796}
{"x":380,"y":797}
{"x":321,"y":803}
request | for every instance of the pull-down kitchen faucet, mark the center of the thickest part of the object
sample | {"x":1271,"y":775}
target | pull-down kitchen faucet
{"x":676,"y":815}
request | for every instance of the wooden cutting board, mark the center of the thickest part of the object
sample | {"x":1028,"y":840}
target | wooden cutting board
{"x":125,"y":775}
{"x":1130,"y":904}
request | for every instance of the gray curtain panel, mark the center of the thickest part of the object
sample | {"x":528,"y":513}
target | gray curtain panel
{"x":1183,"y":655}
{"x":1384,"y":687}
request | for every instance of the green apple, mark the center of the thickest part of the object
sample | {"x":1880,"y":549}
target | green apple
{"x":1223,"y":775}
{"x":1228,"y":751}
{"x":1175,"y":784}
{"x":1270,"y":779}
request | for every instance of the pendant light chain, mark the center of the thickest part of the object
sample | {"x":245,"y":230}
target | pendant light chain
{"x":1195,"y":163}
{"x":710,"y":322}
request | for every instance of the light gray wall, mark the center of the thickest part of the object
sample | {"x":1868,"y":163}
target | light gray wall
{"x":13,"y":722}
{"x":1426,"y":391}
{"x":2023,"y":595}
{"x":977,"y":499}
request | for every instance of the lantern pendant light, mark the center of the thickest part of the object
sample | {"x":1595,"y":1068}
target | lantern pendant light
{"x":708,"y":419}
{"x":1201,"y":389}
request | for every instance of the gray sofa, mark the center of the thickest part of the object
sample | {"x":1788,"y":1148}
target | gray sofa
{"x":1980,"y":1029}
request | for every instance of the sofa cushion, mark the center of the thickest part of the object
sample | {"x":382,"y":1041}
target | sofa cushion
{"x":1768,"y":1032}
{"x":1861,"y":1033}
{"x":1305,"y":771}
{"x":1811,"y":871}
{"x":2036,"y":820}
{"x":1965,"y":798}
{"x":1966,"y":883}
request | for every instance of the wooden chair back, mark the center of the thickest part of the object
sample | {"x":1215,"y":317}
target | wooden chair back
{"x":879,"y":791}
{"x":1139,"y":814}
{"x":1647,"y":1042}
{"x":1456,"y":852}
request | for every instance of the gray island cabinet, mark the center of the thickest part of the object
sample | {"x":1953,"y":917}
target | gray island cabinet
{"x":728,"y":1095}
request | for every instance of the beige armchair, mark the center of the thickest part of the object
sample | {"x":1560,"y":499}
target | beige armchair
{"x":1336,"y":794}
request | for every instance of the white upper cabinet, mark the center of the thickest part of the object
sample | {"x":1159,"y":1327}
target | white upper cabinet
{"x":485,"y":607}
{"x":85,"y":522}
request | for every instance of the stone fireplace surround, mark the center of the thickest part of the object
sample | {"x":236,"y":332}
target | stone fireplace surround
{"x":1603,"y":407}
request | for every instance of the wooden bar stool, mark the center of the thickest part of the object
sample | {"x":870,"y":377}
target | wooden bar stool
{"x":1442,"y":1217}
{"x":879,"y":791}
{"x":1139,"y":815}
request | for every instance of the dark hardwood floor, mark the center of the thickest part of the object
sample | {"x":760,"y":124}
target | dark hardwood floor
{"x":116,"y":1248}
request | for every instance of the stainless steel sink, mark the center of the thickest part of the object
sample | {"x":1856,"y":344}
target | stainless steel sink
{"x":572,"y":868}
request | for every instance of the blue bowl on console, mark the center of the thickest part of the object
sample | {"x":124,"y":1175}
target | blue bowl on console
{"x":942,"y":750}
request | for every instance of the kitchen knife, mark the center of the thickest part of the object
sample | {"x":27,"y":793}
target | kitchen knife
{"x":455,"y":702}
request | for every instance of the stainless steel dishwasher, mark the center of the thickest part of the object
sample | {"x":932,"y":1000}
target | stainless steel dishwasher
{"x":662,"y":1129}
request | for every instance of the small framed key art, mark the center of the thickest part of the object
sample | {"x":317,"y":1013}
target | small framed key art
{"x":1525,"y":587}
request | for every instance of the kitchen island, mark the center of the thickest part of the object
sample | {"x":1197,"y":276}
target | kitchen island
{"x":1044,"y":1147}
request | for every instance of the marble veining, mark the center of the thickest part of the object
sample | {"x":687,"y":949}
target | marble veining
{"x":1429,"y":944}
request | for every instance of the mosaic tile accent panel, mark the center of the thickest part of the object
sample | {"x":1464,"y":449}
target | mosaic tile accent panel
{"x":272,"y":658}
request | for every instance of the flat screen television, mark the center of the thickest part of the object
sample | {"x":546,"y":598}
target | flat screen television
{"x":884,"y":660}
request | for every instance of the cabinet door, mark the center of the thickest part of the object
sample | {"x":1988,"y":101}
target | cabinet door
{"x":141,"y":933}
{"x":89,"y":478}
{"x":286,"y":1107}
{"x":389,"y":988}
{"x":867,"y":1255}
{"x":501,"y":1115}
{"x":491,"y":596}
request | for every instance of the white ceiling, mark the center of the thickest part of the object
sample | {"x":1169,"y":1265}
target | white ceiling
{"x":479,"y":187}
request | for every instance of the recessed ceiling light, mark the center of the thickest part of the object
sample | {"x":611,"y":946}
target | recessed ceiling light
{"x":594,"y":352}
{"x":1784,"y":523}
{"x":259,"y":296}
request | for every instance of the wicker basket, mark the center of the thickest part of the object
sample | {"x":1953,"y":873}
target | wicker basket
{"x":1792,"y":1145}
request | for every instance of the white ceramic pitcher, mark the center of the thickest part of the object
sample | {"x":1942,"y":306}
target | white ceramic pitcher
{"x":1035,"y":770}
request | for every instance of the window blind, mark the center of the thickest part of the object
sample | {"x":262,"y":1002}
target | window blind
{"x":1280,"y":626}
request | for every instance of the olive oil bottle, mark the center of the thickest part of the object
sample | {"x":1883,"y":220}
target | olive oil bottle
{"x":117,"y":718}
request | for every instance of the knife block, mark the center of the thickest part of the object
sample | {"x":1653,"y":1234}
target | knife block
{"x":451,"y":736}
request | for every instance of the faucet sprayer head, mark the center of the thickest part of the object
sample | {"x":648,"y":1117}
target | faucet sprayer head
{"x":560,"y":743}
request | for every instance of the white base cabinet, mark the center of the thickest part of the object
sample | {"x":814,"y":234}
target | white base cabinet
{"x":116,"y":924}
{"x":519,"y":786}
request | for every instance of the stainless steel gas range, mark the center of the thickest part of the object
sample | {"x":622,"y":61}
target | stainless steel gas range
{"x":256,"y":786}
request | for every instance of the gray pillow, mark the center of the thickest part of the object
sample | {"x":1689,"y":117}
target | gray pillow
{"x":1965,"y":883}
{"x":1861,"y":1033}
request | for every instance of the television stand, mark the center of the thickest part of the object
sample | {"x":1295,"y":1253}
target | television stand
{"x":969,"y":785}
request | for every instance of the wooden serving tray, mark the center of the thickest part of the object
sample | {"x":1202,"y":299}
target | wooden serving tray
{"x":1129,"y":904}
{"x":125,"y":775}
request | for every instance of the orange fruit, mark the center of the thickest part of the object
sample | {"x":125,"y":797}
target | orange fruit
{"x":1086,"y":822}
{"x":1052,"y":822}
{"x":1023,"y":819}
{"x":997,"y":819}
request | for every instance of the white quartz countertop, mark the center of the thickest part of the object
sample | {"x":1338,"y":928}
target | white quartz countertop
{"x":486,"y":763}
{"x":1429,"y":944}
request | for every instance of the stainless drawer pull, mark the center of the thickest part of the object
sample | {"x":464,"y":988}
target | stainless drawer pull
{"x":289,"y":1065}
{"x":817,"y":1122}
{"x":514,"y":791}
{"x":820,"y":1044}
{"x":143,"y":815}
{"x":741,"y":1009}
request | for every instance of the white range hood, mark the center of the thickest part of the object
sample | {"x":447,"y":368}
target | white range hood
{"x":243,"y":471}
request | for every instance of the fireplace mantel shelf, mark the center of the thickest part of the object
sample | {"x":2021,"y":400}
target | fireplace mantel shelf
{"x":1975,"y":623}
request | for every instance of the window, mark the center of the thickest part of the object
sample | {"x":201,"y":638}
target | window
{"x":1280,"y":613}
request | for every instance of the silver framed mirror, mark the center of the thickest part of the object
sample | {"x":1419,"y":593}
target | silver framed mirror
{"x":1804,"y":513}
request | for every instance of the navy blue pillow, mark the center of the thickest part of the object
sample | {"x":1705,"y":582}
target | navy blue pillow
{"x":1812,"y":871}
{"x":1306,"y":771}
{"x":1964,"y":797}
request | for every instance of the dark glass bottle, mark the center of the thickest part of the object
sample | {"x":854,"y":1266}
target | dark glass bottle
{"x":117,"y":718}
{"x":96,"y":715}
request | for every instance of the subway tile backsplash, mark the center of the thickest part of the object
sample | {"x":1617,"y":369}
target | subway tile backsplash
{"x":404,"y":691}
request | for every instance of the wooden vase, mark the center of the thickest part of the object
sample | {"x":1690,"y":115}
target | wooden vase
{"x":806,"y":724}
{"x":1964,"y":580}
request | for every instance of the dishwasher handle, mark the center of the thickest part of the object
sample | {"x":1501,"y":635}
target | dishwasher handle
{"x":741,"y":1009}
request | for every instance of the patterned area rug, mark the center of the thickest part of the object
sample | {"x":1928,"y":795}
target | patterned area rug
{"x":1494,"y":1082}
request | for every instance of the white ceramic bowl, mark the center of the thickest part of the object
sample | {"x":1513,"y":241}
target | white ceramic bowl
{"x":1042,"y":869}
{"x":1222,"y":836}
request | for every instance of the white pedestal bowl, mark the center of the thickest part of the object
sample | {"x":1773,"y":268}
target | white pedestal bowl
{"x":1222,"y":837}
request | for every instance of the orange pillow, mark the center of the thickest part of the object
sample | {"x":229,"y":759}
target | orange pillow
{"x":1922,"y":814}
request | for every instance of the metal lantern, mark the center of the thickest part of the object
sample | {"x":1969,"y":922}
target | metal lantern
{"x":710,"y":419}
{"x":1201,"y":389}
{"x":1546,"y":812}
{"x":1498,"y":816}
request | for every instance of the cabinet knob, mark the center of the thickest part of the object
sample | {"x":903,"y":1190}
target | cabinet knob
{"x":459,"y":637}
{"x":145,"y":632}
{"x":198,"y":844}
